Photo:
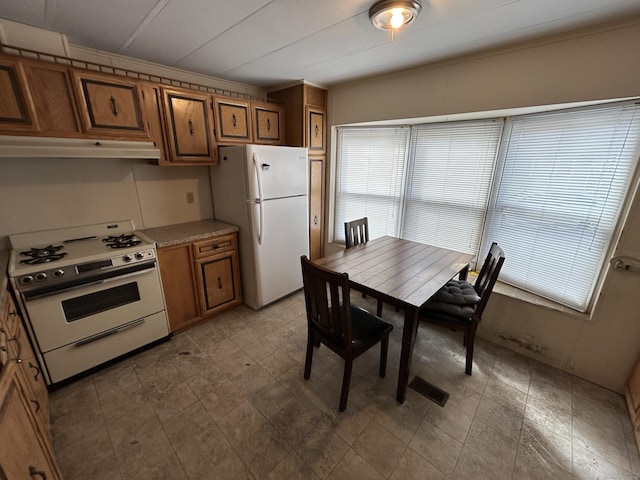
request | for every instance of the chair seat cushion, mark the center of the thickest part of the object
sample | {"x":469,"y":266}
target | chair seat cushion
{"x":457,"y":292}
{"x":366,"y":327}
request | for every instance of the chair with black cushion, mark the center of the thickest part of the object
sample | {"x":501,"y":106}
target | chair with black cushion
{"x":459,"y":304}
{"x":346,"y":329}
{"x":356,"y":232}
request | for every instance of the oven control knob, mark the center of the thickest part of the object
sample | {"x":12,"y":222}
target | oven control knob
{"x":58,"y":273}
{"x":41,"y":276}
{"x":26,"y":280}
{"x":126,"y":258}
{"x":139,"y":256}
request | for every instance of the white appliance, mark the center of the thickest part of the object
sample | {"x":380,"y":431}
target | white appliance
{"x":90,"y":294}
{"x":263,"y":189}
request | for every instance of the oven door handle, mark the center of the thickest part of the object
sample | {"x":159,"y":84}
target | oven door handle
{"x":112,"y":276}
{"x":113,"y":331}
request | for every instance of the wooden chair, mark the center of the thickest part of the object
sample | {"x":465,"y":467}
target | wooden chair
{"x":346,"y":329}
{"x":459,"y":305}
{"x":356,"y":232}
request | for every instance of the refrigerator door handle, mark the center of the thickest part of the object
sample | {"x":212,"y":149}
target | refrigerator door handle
{"x":256,"y":169}
{"x":259,"y":200}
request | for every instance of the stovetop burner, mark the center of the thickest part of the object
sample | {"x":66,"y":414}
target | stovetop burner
{"x":122,"y":241}
{"x":43,"y":255}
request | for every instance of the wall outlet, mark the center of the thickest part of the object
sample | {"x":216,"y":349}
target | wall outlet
{"x":190,"y":197}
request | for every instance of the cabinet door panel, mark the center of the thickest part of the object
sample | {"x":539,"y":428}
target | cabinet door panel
{"x":267,"y":127}
{"x":16,"y":106}
{"x":316,"y":205}
{"x":53,"y":98}
{"x":189,"y":127}
{"x":232,"y":120}
{"x":217,"y":282}
{"x":316,"y":135}
{"x":176,"y":269}
{"x":24,"y":452}
{"x":110,"y":106}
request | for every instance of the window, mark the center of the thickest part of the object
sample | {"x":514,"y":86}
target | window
{"x":548,"y":187}
{"x":369,"y":179}
{"x":563,"y":180}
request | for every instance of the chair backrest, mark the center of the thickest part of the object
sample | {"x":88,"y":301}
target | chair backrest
{"x":326,"y":295}
{"x":356,"y":232}
{"x":488,"y":276}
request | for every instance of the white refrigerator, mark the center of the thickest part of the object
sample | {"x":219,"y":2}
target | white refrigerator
{"x":263,"y":189}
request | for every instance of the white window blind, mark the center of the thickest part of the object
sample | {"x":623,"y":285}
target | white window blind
{"x":449,"y":183}
{"x":562,"y":179}
{"x":369,"y":178}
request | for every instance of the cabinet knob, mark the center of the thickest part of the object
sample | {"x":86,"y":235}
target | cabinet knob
{"x":219,"y":283}
{"x":37,"y":370}
{"x":233,"y":120}
{"x":268,"y":124}
{"x":190,"y":127}
{"x":315,"y":219}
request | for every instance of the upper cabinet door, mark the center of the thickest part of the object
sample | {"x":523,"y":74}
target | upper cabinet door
{"x":109,"y":105}
{"x":267,"y":123}
{"x":316,"y":126}
{"x":189,"y":127}
{"x":232,"y":120}
{"x":16,"y":106}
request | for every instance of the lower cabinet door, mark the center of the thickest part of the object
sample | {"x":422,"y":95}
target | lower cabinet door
{"x":25,"y":452}
{"x":219,"y":282}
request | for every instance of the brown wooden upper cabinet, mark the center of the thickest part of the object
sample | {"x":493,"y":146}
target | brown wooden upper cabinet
{"x":53,"y":98}
{"x":267,"y":123}
{"x":109,"y":105}
{"x":316,"y":126}
{"x":233,"y":123}
{"x":189,"y":126}
{"x":16,"y":106}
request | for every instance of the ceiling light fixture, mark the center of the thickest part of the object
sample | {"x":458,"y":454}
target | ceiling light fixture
{"x":394,"y":15}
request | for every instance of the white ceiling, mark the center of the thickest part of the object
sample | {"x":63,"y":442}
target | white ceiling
{"x":270,"y":43}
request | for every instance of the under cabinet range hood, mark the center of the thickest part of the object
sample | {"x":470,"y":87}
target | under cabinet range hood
{"x":49,"y":147}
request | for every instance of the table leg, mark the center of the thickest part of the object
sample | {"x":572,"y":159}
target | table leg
{"x":409,"y":333}
{"x":463,"y":273}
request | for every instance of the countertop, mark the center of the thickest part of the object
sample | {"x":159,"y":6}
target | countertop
{"x":187,"y":232}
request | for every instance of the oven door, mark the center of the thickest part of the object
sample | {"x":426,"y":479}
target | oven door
{"x":82,"y":312}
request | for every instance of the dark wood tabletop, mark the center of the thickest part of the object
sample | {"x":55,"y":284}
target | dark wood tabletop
{"x":402,"y":273}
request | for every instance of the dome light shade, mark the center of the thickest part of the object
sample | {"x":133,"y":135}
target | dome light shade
{"x":394,"y":14}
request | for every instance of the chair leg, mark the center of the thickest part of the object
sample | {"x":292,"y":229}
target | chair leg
{"x":384,"y":349}
{"x":309,"y":357}
{"x":470,"y":337}
{"x":379,"y":309}
{"x":346,"y":380}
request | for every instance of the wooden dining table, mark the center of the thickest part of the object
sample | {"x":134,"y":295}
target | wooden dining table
{"x":402,"y":273}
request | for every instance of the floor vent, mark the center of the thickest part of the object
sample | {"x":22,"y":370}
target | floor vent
{"x":428,"y":390}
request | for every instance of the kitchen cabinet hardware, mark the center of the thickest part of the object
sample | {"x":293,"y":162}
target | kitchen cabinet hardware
{"x":234,"y":121}
{"x":190,"y":127}
{"x":37,"y":370}
{"x":268,"y":124}
{"x":219,"y":282}
{"x":33,"y":472}
{"x":37,"y":404}
{"x":114,"y":108}
{"x":16,"y":339}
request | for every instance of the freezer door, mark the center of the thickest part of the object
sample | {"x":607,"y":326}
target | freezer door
{"x":279,"y":240}
{"x":276,"y":172}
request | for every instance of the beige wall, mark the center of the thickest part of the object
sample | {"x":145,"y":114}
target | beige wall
{"x":601,"y":63}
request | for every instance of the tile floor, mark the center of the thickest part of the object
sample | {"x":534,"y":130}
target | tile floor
{"x":226,"y":400}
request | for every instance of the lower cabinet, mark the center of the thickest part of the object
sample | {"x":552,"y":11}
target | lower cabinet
{"x":200,"y":279}
{"x":632,"y":396}
{"x":25,"y":446}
